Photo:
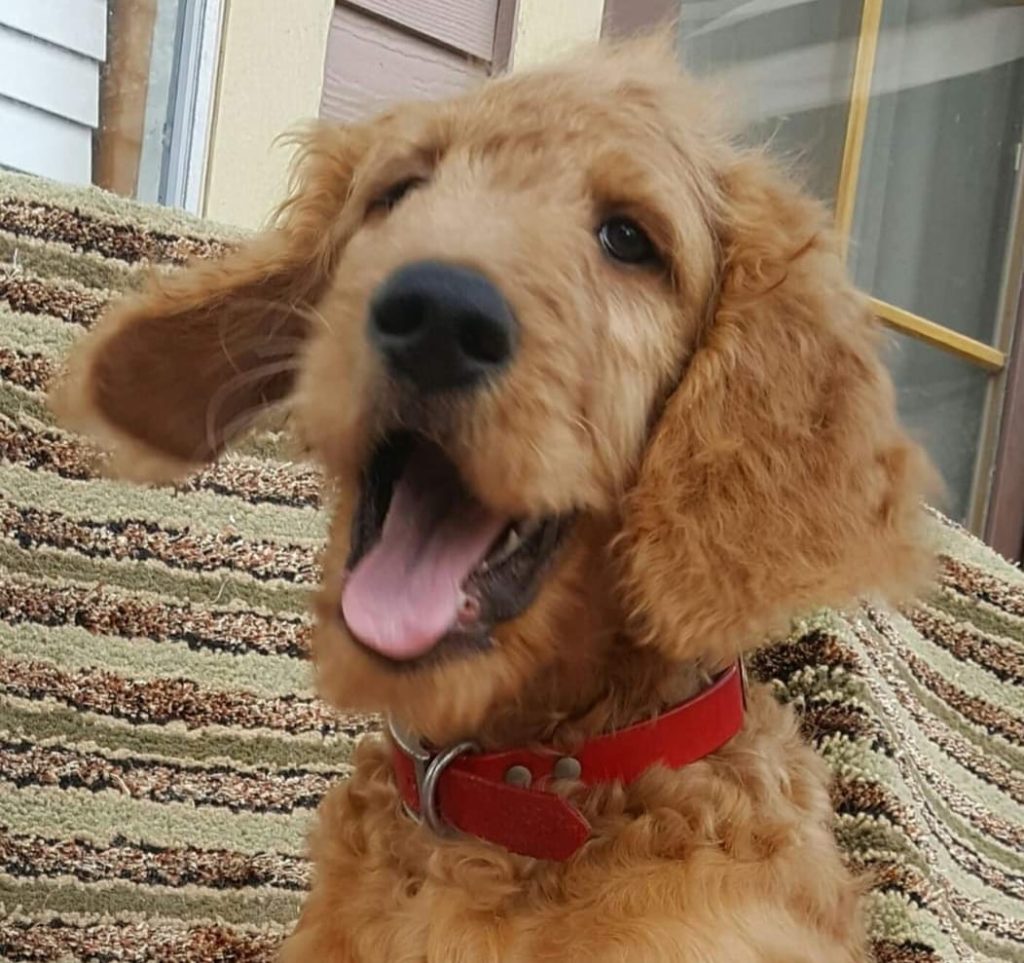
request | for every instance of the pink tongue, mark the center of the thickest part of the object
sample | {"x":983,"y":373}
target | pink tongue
{"x":404,"y":594}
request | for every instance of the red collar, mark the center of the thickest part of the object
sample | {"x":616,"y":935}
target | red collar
{"x":504,"y":797}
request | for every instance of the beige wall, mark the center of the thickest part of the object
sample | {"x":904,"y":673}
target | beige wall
{"x":546,"y":28}
{"x":271,"y":75}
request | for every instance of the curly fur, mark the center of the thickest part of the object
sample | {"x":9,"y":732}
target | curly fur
{"x":723,"y":430}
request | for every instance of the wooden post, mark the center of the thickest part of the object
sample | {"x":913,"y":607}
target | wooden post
{"x":123,"y":89}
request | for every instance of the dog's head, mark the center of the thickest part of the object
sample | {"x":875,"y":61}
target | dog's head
{"x":579,"y":371}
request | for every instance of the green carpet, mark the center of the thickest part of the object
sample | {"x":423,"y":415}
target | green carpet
{"x":161,"y":753}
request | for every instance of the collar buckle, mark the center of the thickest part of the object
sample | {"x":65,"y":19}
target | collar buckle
{"x":428,"y":768}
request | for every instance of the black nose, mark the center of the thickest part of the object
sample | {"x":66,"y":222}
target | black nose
{"x":441,"y":326}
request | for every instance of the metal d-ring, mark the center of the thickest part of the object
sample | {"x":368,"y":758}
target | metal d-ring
{"x":744,"y":681}
{"x":419,"y":755}
{"x":428,"y":768}
{"x":428,"y":788}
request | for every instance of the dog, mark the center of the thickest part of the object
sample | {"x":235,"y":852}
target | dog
{"x":600,"y":411}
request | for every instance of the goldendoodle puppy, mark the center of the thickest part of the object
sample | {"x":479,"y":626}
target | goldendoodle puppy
{"x":600,"y":410}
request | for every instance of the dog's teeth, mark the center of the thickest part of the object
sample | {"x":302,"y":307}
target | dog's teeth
{"x":508,"y":546}
{"x":517,"y":534}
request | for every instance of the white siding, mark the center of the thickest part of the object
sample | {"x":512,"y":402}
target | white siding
{"x":51,"y":78}
{"x":39,"y":143}
{"x":79,"y":25}
{"x":50,"y":57}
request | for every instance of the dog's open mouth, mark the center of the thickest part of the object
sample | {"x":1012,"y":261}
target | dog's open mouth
{"x":430,"y":566}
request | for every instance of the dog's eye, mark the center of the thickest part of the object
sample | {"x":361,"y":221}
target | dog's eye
{"x":626,"y":241}
{"x":394,"y":194}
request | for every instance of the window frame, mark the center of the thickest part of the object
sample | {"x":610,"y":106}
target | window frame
{"x":990,"y":461}
{"x":193,"y":96}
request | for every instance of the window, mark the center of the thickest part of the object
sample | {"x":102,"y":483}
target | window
{"x":907,"y":116}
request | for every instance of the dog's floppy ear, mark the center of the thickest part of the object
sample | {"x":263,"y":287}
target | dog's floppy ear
{"x":777,"y":478}
{"x":172,"y":374}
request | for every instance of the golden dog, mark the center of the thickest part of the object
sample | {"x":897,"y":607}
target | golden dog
{"x":601,"y":411}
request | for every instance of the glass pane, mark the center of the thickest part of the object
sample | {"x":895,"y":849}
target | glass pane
{"x":789,"y":64}
{"x":942,"y":401}
{"x":108,"y":92}
{"x":939,"y":170}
